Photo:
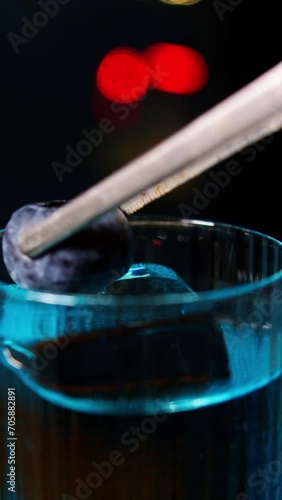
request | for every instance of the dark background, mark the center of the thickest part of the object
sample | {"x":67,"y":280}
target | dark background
{"x":47,"y":92}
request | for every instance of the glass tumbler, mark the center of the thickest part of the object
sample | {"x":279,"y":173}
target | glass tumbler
{"x":166,"y":386}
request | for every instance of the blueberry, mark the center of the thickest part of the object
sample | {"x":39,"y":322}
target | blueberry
{"x":85,"y":262}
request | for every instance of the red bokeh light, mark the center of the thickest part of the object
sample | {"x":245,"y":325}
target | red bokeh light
{"x":157,"y":243}
{"x":122,"y":76}
{"x":180,"y":70}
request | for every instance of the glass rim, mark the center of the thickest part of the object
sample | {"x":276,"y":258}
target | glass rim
{"x":113,"y":300}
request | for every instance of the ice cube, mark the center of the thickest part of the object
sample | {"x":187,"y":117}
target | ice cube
{"x":147,"y":279}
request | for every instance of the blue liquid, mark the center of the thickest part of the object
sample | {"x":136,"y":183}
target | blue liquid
{"x":199,"y":363}
{"x":214,"y":435}
{"x":216,"y":452}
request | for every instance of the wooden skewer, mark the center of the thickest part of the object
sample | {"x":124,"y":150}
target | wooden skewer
{"x":243,"y":118}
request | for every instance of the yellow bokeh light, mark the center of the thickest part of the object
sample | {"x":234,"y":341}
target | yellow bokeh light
{"x":180,"y":2}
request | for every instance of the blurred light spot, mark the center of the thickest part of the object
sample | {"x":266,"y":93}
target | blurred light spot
{"x":157,"y":243}
{"x":184,"y":70}
{"x":180,"y":2}
{"x":122,"y":76}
